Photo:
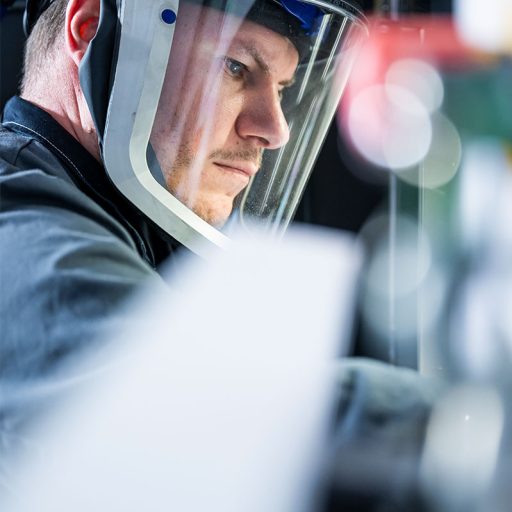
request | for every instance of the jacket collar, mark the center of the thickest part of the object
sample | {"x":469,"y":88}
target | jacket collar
{"x":88,"y":175}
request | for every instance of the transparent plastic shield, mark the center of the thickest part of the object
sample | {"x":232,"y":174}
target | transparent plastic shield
{"x":234,"y":103}
{"x":308,"y":106}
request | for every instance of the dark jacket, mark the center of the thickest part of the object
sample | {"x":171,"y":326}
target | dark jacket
{"x":72,"y":252}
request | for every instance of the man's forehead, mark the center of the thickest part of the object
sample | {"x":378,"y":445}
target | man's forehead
{"x":256,"y":38}
{"x":232,"y":31}
{"x":230,"y":26}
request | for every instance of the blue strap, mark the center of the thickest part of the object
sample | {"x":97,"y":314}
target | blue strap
{"x":308,"y":14}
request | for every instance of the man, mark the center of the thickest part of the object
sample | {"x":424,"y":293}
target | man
{"x":141,"y":128}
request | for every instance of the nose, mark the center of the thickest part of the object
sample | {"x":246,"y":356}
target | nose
{"x":261,"y":119}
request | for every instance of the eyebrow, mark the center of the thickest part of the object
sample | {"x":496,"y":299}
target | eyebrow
{"x":251,"y":49}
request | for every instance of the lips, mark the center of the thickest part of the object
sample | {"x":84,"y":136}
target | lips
{"x":245,"y":168}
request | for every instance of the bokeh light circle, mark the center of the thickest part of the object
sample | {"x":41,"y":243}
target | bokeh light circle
{"x":419,"y":78}
{"x":442,"y":160}
{"x":390,"y":126}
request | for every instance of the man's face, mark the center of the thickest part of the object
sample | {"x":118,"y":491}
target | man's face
{"x":220,"y":107}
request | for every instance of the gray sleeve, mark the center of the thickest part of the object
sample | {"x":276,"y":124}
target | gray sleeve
{"x":67,"y":268}
{"x":67,"y":271}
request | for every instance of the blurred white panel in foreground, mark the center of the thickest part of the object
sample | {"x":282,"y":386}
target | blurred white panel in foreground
{"x":216,"y":398}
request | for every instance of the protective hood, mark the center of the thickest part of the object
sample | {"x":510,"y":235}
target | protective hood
{"x":210,"y":114}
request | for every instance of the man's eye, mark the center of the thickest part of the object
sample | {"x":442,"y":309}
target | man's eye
{"x":234,"y":67}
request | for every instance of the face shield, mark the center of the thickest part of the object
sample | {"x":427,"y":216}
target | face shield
{"x":218,"y":109}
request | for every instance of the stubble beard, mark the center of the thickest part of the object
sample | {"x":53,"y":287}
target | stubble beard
{"x":186,"y":190}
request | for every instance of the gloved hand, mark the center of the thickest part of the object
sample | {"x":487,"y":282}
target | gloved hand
{"x":378,"y":437}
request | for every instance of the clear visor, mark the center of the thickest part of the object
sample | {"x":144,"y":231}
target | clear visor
{"x":231,"y":109}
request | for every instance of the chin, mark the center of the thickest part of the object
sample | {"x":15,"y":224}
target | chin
{"x":215,"y":212}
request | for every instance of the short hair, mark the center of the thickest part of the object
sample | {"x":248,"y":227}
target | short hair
{"x":42,"y":41}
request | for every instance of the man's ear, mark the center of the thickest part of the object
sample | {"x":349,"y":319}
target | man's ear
{"x":82,"y":18}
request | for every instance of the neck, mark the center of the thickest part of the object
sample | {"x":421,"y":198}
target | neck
{"x":64,"y":101}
